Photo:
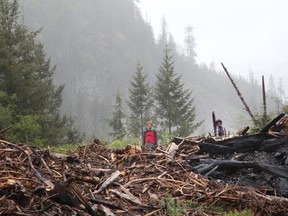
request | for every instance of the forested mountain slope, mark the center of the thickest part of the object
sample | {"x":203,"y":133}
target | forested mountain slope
{"x":95,"y":45}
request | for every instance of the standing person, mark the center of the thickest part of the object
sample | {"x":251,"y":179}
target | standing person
{"x":150,"y":137}
{"x":220,"y":130}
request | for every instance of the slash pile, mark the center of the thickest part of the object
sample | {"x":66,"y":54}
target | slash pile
{"x":96,"y":180}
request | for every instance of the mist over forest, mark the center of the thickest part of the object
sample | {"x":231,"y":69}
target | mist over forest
{"x":96,"y":44}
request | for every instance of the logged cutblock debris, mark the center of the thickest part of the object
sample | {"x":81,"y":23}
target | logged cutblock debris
{"x":243,"y":172}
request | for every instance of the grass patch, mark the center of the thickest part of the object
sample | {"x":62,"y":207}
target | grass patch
{"x":65,"y":148}
{"x":174,"y":207}
{"x":239,"y":213}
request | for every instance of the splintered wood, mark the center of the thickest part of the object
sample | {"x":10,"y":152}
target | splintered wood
{"x":96,"y":180}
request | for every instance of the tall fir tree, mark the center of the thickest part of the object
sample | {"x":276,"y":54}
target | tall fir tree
{"x":189,"y":43}
{"x":175,"y":106}
{"x":163,"y":37}
{"x":140,"y":102}
{"x":171,"y":44}
{"x":116,"y":122}
{"x":26,"y":73}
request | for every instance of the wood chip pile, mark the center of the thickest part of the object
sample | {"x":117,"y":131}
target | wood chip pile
{"x":96,"y":180}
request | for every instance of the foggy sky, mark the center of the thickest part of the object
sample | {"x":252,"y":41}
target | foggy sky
{"x":243,"y":34}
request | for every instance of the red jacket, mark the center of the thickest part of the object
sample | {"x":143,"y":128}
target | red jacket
{"x":150,"y":136}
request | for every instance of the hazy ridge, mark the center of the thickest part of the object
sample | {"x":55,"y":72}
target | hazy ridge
{"x":95,"y":46}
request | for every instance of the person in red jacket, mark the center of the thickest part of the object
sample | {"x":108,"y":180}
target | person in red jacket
{"x":150,"y":137}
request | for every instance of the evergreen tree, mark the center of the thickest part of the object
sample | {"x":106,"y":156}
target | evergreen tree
{"x":276,"y":96}
{"x":6,"y":110}
{"x":27,"y":129}
{"x":272,"y":87}
{"x":279,"y":99}
{"x":175,"y":105}
{"x":73,"y":135}
{"x":25,"y":73}
{"x":171,"y":44}
{"x":163,"y":37}
{"x":116,"y":123}
{"x":190,"y":43}
{"x":140,"y":102}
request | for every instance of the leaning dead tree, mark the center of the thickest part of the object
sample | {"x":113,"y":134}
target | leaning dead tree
{"x":240,"y":95}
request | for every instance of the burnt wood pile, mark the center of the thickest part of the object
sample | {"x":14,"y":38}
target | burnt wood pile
{"x":248,"y":171}
{"x":259,"y":160}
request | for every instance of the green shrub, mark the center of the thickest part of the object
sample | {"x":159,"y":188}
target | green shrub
{"x":7,"y":109}
{"x":165,"y":137}
{"x":117,"y":144}
{"x":26,"y":130}
{"x":172,"y":207}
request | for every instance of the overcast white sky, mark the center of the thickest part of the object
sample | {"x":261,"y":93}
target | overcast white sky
{"x":242,"y":34}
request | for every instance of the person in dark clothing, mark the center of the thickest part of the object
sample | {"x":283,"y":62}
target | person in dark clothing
{"x":220,"y":130}
{"x":150,"y":137}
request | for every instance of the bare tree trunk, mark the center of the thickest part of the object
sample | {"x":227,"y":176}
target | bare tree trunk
{"x":264,"y":99}
{"x":240,"y":95}
{"x":214,"y":122}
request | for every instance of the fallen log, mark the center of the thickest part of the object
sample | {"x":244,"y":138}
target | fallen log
{"x":233,"y":165}
{"x":279,"y":171}
{"x":243,"y":144}
{"x":265,"y":129}
{"x":212,"y":148}
{"x":108,"y":181}
{"x":106,"y":203}
{"x":126,"y":196}
{"x":270,"y":144}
